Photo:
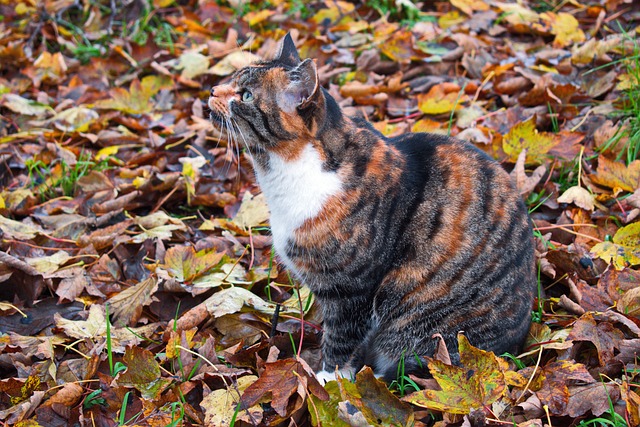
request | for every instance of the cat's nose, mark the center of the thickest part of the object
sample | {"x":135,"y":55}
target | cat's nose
{"x":213,"y":91}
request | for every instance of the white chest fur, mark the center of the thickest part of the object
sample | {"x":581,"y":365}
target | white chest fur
{"x":295,"y":191}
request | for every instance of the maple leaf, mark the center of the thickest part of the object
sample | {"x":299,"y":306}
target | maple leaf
{"x":139,"y":98}
{"x":281,"y":382}
{"x":524,"y":135}
{"x":220,"y":406}
{"x":602,"y":334}
{"x":477,"y":382}
{"x":438,"y":100}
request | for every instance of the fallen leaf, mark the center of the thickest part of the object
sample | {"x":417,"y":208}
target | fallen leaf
{"x":143,"y":373}
{"x":253,"y":211}
{"x":220,"y":406}
{"x":602,"y":335}
{"x":127,"y":305}
{"x":477,"y":382}
{"x":614,"y":174}
{"x":578,"y":196}
{"x":525,"y":184}
{"x":524,"y":135}
{"x":372,"y":398}
{"x":282,"y":381}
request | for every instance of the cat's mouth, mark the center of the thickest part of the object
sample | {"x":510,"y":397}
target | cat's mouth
{"x":216,"y":118}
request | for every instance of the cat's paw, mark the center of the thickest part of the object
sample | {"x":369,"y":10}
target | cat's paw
{"x":325,"y":376}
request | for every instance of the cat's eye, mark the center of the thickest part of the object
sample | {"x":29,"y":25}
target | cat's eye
{"x":247,"y":96}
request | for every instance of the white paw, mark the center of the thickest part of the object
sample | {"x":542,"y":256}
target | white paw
{"x":325,"y":376}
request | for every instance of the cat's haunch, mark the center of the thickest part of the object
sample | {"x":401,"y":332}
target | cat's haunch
{"x":399,"y":238}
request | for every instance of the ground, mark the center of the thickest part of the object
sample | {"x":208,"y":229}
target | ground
{"x":138,"y":286}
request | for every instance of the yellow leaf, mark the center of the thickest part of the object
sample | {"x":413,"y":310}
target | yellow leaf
{"x":105,"y":152}
{"x":50,"y":263}
{"x":232,"y":62}
{"x":220,"y":406}
{"x":478,"y":382}
{"x":524,"y":135}
{"x":469,"y":6}
{"x":254,"y":18}
{"x":628,"y":235}
{"x":450,"y":19}
{"x":253,"y":211}
{"x":192,"y":64}
{"x":624,"y":251}
{"x":17,"y":230}
{"x":516,"y":14}
{"x":565,"y":27}
{"x":437,"y":101}
{"x":614,"y":174}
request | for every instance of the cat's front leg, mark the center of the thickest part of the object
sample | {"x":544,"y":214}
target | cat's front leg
{"x":346,"y":324}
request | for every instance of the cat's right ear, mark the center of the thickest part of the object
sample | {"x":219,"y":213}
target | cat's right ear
{"x":287,"y":52}
{"x":303,"y":89}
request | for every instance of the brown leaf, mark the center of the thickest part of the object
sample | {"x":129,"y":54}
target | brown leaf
{"x":279,"y":383}
{"x":603,"y":335}
{"x":592,"y":398}
{"x":554,"y":391}
{"x":143,"y":373}
{"x":127,"y":305}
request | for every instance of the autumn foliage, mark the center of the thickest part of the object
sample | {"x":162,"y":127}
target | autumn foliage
{"x":138,"y":286}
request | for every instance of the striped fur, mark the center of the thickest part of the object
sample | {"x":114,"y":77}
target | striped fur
{"x":398,"y":238}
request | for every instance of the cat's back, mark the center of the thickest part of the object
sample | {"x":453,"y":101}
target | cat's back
{"x":468,"y":259}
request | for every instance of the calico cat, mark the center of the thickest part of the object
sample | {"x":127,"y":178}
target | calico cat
{"x":399,"y":238}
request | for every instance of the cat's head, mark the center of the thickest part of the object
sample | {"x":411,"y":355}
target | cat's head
{"x":269,"y":105}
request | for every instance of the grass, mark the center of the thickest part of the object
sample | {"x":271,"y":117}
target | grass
{"x":630,"y":104}
{"x":114,"y":369}
{"x":59,"y":178}
{"x":403,"y":383}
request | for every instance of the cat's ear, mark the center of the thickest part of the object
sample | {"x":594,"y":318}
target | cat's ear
{"x":287,"y":52}
{"x":303,"y":89}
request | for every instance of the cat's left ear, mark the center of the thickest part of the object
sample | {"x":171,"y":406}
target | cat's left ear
{"x":287,"y":52}
{"x":303,"y":89}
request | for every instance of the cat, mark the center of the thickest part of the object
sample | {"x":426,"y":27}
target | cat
{"x":398,"y":238}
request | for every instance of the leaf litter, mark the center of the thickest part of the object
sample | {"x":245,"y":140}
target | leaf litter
{"x":139,"y":285}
